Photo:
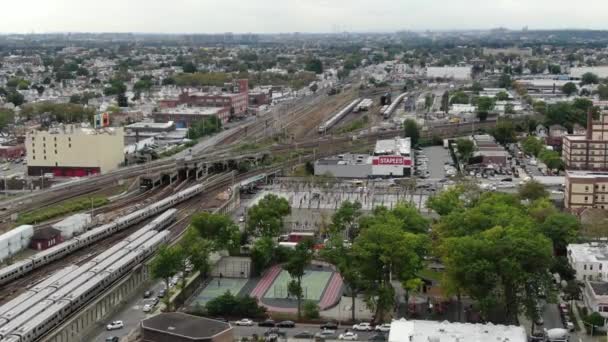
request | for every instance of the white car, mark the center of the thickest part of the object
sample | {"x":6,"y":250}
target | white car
{"x":348,"y":336}
{"x":246,"y":322}
{"x":115,"y":325}
{"x":147,"y":308}
{"x":363,"y":327}
{"x":386,"y":327}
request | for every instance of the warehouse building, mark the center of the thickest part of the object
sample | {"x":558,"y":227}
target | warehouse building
{"x":391,"y":158}
{"x":184,"y":116}
{"x":72,"y":151}
{"x":450,"y":72}
{"x":600,"y":71}
{"x":180,"y":327}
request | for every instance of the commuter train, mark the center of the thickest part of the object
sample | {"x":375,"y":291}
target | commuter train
{"x":334,"y":119}
{"x":40,"y":259}
{"x":388,"y":111}
{"x":72,"y":277}
{"x":46,"y":314}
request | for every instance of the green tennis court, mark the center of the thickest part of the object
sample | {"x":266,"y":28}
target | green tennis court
{"x":313,"y":285}
{"x":234,"y":285}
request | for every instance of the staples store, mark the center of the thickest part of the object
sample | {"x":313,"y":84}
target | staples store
{"x":391,"y":166}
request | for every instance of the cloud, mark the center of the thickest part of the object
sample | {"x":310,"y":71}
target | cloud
{"x":265,"y":16}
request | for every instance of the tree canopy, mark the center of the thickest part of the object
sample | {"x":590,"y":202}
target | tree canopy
{"x":412,"y":131}
{"x":266,"y":217}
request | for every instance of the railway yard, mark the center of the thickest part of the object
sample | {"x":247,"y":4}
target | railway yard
{"x":40,"y":291}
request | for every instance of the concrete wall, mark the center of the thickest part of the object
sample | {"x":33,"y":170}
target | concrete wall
{"x":86,"y":320}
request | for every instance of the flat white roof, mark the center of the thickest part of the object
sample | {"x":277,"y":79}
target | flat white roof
{"x":586,"y":174}
{"x":433,"y":331}
{"x":588,"y":252}
{"x":191,"y":111}
{"x":394,"y":146}
{"x":162,"y":125}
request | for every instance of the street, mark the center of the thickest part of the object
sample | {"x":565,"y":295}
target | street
{"x":240,"y":331}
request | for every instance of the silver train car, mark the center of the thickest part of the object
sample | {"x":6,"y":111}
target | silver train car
{"x":45,"y":315}
{"x":40,"y":259}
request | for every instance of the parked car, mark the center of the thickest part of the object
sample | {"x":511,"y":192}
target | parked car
{"x":115,"y":325}
{"x":329,"y":326}
{"x":363,"y":327}
{"x":162,"y":293}
{"x":286,"y":324}
{"x":112,"y":339}
{"x":304,"y":335}
{"x":377,"y":337}
{"x":386,"y":327}
{"x":148,"y":294}
{"x":348,"y":336}
{"x":246,"y":322}
{"x":569,"y":325}
{"x":147,"y":308}
{"x":274,"y":331}
{"x":326,"y":334}
{"x":267,"y":323}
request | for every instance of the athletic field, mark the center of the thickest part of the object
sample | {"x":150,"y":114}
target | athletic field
{"x":234,"y":285}
{"x":313,"y":285}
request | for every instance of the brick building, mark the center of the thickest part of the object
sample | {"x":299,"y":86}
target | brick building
{"x":589,"y":151}
{"x":236,"y":101}
{"x":184,"y":117}
{"x":586,"y":189}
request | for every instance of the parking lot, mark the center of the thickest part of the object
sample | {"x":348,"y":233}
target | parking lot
{"x":431,"y":161}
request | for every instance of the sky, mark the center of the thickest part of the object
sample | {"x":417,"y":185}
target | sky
{"x":272,"y":16}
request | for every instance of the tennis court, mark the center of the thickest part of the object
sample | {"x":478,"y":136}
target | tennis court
{"x":313,"y":285}
{"x":213,"y":290}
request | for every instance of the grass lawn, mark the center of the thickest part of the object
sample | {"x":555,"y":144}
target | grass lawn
{"x":59,"y":209}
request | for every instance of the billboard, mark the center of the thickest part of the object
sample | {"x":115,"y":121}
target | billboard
{"x":102,"y":120}
{"x":392,"y":160}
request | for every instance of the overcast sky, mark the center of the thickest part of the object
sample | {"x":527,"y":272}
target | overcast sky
{"x":268,"y":16}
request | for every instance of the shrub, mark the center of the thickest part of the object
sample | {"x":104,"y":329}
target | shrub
{"x":311,"y":310}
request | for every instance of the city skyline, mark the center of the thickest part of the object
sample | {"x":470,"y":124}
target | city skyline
{"x":314,"y":16}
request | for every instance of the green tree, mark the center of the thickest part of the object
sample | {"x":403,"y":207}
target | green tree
{"x":266,"y":217}
{"x":217,"y":228}
{"x":594,"y":320}
{"x":229,"y":305}
{"x":505,"y":81}
{"x":445,"y":102}
{"x":383,"y":251}
{"x":502,"y":96}
{"x":311,"y":310}
{"x":476,"y":87}
{"x":555,"y":69}
{"x":314,"y":65}
{"x":552,"y":159}
{"x":412,"y":131}
{"x":502,"y":267}
{"x":532,"y":146}
{"x":504,"y":133}
{"x":262,"y":254}
{"x":189,"y":68}
{"x":465,"y":148}
{"x":428,"y":101}
{"x":589,"y":78}
{"x":484,"y":106}
{"x":166,"y":264}
{"x":15,"y":98}
{"x":561,"y":228}
{"x":7,"y":117}
{"x":342,"y":257}
{"x":345,"y":219}
{"x":299,"y":259}
{"x":602,"y":91}
{"x":569,"y":89}
{"x":459,"y":97}
{"x":447,"y":201}
{"x":532,"y":190}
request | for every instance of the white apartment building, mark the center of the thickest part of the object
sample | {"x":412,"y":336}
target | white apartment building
{"x":589,"y":260}
{"x":433,"y":331}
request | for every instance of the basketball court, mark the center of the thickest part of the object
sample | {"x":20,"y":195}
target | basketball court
{"x":215,"y":289}
{"x":313,"y":284}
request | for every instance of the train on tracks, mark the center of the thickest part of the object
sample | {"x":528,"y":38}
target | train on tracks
{"x":45,"y":257}
{"x":341,"y":114}
{"x":35,"y":312}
